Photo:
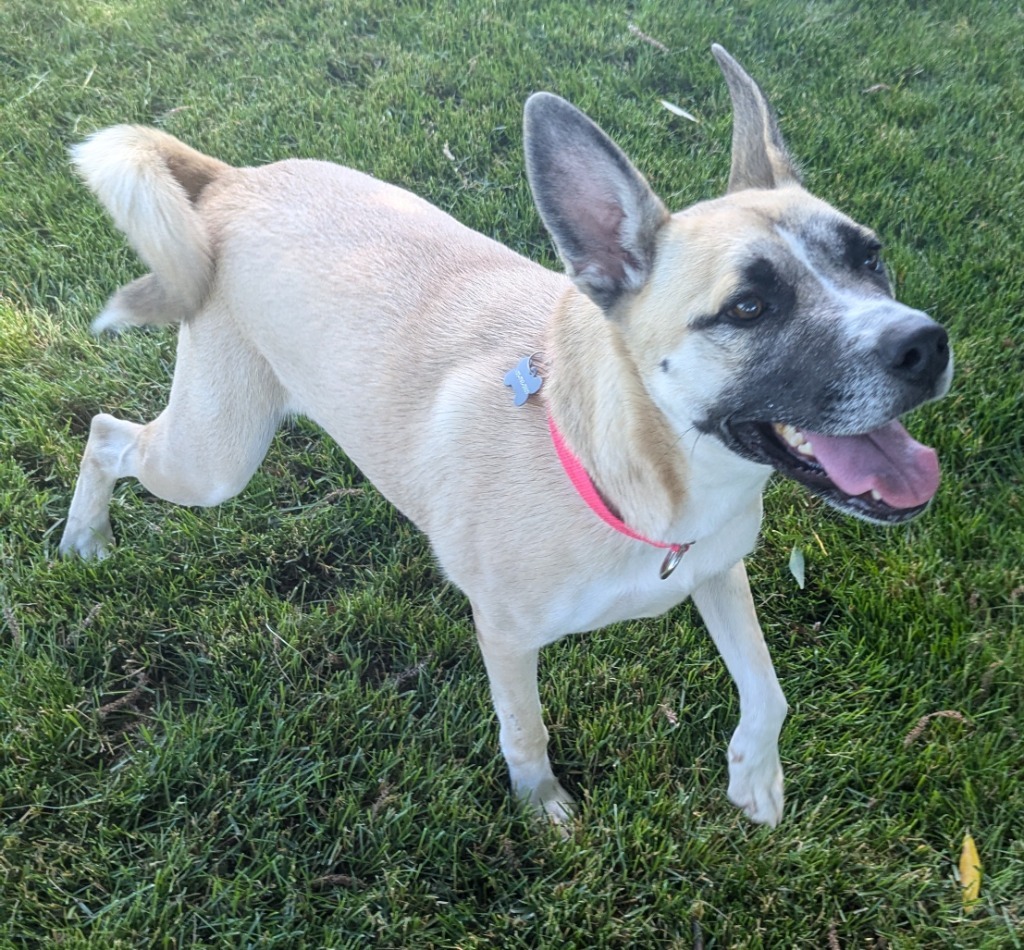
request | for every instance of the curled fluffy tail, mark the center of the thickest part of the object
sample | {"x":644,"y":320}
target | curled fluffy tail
{"x":149,"y":182}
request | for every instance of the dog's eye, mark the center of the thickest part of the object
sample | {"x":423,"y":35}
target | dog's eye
{"x":747,"y":309}
{"x":873,"y":260}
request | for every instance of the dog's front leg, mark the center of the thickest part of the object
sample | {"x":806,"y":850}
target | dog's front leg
{"x":512,"y":671}
{"x":755,"y":774}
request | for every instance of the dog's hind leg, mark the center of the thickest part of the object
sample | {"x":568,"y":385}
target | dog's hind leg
{"x":224,"y":408}
{"x":512,"y":671}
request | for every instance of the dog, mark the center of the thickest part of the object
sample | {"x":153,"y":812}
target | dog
{"x":580,"y":448}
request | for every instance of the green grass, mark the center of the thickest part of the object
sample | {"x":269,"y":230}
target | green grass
{"x":267,"y":724}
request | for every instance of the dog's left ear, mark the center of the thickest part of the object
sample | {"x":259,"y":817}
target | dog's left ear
{"x":600,"y":211}
{"x":759,"y":156}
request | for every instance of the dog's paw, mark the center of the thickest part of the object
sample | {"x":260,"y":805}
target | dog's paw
{"x":550,"y":801}
{"x":88,"y":543}
{"x":755,"y":783}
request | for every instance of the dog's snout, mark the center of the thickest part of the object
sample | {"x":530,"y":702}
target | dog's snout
{"x":918,"y":354}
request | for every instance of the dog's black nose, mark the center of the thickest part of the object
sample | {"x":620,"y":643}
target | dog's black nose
{"x":917,"y":354}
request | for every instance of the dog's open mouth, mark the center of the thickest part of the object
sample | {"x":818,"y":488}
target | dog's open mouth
{"x":882,"y":475}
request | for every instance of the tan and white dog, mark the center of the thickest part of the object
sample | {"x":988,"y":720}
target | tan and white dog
{"x":683,"y":359}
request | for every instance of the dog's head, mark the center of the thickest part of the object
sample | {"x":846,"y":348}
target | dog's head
{"x":763,"y":319}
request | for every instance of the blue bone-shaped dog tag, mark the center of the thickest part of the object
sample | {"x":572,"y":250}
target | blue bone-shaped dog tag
{"x":522,"y":381}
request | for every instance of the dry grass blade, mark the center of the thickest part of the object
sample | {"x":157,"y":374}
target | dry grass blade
{"x":649,"y":40}
{"x":923,"y":722}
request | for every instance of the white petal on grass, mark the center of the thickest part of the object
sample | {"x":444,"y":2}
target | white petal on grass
{"x":796,"y":566}
{"x":675,"y":110}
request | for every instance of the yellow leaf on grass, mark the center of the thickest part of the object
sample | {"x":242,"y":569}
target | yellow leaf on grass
{"x":970,"y":872}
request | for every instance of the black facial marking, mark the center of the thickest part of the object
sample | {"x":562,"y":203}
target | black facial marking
{"x":851,"y":238}
{"x":834,"y":242}
{"x":761,"y":280}
{"x":794,"y":371}
{"x":760,"y":274}
{"x":857,"y":245}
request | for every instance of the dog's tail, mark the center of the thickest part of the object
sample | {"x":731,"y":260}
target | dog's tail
{"x":149,"y":182}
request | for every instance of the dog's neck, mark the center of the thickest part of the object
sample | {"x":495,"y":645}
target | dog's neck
{"x":599,"y":403}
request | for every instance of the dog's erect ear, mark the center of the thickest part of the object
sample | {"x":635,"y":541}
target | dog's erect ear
{"x":601,"y":213}
{"x":759,"y":156}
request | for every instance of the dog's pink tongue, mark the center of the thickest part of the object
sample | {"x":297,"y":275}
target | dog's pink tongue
{"x":904,"y":472}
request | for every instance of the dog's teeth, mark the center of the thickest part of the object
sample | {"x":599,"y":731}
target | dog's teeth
{"x":790,"y":434}
{"x":794,"y":438}
{"x":875,"y":495}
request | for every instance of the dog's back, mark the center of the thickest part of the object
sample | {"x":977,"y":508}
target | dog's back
{"x":395,"y":332}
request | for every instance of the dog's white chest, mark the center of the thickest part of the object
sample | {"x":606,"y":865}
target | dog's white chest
{"x":640,"y":594}
{"x":631,"y":587}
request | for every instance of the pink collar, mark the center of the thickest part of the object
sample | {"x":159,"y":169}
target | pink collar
{"x":585,"y":486}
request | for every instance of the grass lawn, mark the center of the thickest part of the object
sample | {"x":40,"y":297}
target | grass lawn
{"x":267,"y":725}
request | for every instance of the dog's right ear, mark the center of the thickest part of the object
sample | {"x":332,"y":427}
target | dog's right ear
{"x":600,"y":211}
